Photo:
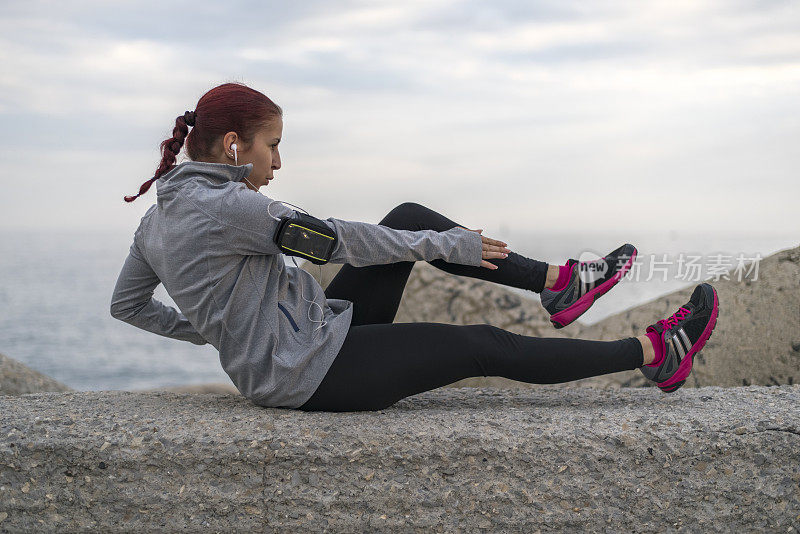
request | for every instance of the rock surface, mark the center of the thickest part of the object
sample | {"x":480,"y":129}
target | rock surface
{"x":16,"y":378}
{"x":552,"y":458}
{"x":218,"y":388}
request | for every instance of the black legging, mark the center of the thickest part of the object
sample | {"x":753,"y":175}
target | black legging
{"x":382,"y":362}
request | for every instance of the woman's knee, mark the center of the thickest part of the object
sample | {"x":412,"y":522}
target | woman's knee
{"x":410,"y":207}
{"x":482,"y":331}
{"x":405,"y":216}
{"x":487,"y":340}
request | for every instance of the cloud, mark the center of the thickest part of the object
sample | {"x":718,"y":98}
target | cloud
{"x":423,"y":100}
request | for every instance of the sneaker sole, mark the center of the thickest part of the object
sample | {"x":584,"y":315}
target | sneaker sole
{"x":697,"y":347}
{"x":565,"y":317}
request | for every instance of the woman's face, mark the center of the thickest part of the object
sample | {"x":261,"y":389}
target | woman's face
{"x":263,"y":154}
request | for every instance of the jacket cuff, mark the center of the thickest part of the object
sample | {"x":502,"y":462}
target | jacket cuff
{"x":469,"y":249}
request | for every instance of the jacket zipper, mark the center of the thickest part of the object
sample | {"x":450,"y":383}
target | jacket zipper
{"x":285,"y":312}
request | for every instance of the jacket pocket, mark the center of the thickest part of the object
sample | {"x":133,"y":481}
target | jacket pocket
{"x":288,"y":316}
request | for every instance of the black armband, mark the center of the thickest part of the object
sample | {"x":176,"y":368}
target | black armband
{"x":305,"y":236}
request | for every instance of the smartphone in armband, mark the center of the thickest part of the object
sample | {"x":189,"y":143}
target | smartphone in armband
{"x":305,"y":236}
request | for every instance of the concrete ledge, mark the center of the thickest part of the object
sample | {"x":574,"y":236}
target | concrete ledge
{"x":449,"y":460}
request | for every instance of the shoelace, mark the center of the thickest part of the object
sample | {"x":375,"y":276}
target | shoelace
{"x":673,"y":319}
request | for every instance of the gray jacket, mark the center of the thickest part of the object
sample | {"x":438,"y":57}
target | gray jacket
{"x":209,"y":240}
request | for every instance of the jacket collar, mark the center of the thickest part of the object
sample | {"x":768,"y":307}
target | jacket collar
{"x":219,"y":171}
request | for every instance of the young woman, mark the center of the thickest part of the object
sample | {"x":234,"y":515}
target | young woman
{"x":284,"y":342}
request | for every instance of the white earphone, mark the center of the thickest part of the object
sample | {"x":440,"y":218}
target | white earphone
{"x":236,"y":162}
{"x":314,"y":303}
{"x":324,"y":322}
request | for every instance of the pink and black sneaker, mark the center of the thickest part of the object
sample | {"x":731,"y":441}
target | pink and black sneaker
{"x":588,"y":280}
{"x":678,"y":338}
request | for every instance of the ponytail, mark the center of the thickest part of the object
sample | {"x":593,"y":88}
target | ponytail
{"x":170,"y":148}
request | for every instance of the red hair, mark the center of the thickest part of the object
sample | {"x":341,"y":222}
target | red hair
{"x":230,"y":107}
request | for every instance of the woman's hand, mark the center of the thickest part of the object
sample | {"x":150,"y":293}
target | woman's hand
{"x":492,"y":248}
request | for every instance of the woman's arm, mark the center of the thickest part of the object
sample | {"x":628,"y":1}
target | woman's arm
{"x":361,"y":244}
{"x":246,"y":227}
{"x":133,"y":302}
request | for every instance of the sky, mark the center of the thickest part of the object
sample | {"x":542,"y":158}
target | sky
{"x":561,"y":116}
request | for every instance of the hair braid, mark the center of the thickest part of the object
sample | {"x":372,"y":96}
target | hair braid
{"x":170,"y":148}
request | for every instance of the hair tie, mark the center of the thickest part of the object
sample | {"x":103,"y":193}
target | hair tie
{"x":189,"y":118}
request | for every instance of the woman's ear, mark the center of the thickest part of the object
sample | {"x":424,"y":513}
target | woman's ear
{"x":229,"y":139}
